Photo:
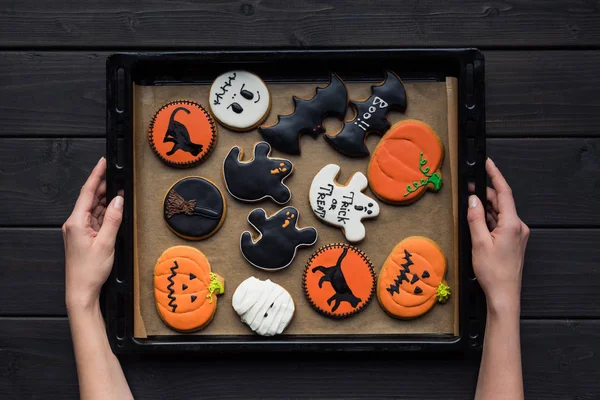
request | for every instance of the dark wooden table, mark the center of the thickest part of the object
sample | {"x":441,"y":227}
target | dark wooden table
{"x":543,"y":118}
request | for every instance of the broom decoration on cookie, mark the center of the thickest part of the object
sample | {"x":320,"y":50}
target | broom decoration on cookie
{"x":178,"y":205}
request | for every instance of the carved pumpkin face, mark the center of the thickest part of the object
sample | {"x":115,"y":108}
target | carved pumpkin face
{"x":411,"y":280}
{"x":185,"y":289}
{"x":406,"y":162}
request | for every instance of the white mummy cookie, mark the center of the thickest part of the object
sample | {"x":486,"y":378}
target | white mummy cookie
{"x":343,"y":206}
{"x":239,"y":100}
{"x":264,"y":306}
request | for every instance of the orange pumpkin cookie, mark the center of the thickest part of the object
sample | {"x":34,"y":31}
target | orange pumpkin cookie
{"x":185,"y":289}
{"x":406,"y":163}
{"x":411,"y":280}
{"x":339,"y":280}
{"x":182,"y":133}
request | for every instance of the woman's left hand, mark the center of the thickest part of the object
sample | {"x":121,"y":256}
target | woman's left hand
{"x":89,"y":235}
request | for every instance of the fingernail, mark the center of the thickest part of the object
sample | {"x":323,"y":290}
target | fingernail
{"x":472,"y":201}
{"x":491,"y":161}
{"x":100,"y":160}
{"x":118,"y":204}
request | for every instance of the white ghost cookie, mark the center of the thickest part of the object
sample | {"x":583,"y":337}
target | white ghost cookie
{"x":344,"y":206}
{"x":240,"y":100}
{"x":264,"y":306}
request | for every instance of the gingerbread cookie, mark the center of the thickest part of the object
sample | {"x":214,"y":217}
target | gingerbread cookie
{"x":185,"y":289}
{"x":411,"y":280}
{"x":239,"y":100}
{"x":264,"y":306}
{"x":343,"y":206}
{"x":194,"y":208}
{"x":259,"y":178}
{"x":279,"y":238}
{"x":406,"y":163}
{"x":307,"y":117}
{"x":339,"y":280}
{"x":182,"y":133}
{"x":370,"y":116}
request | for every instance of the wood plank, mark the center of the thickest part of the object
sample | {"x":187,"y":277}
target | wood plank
{"x":314,"y":24}
{"x":34,"y":260}
{"x":554,"y":180}
{"x":559,"y":361}
{"x":542,"y":93}
{"x":560,"y":278}
{"x":40,"y":179}
{"x":529,"y":93}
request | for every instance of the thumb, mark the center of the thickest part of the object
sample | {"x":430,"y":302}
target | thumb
{"x":480,"y":233}
{"x":112,"y":221}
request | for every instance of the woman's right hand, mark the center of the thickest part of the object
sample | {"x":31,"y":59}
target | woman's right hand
{"x":498,"y":245}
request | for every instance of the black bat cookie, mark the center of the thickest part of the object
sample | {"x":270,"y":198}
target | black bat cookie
{"x":279,"y":238}
{"x":307,"y":118}
{"x":258,"y":178}
{"x":370,"y":117}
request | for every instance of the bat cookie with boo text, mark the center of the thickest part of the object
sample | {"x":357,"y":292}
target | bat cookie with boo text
{"x":370,"y":116}
{"x":307,"y":117}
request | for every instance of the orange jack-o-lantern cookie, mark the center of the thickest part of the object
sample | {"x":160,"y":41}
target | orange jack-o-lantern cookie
{"x":182,"y":133}
{"x":339,"y":280}
{"x":406,"y":163}
{"x":411,"y":280}
{"x":185,"y":289}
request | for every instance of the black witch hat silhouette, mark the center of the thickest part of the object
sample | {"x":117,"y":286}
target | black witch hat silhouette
{"x":179,"y":135}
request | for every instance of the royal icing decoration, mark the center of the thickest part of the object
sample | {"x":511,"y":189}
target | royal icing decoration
{"x":182,"y":133}
{"x":406,"y":163}
{"x":264,"y":306}
{"x":279,"y":238}
{"x":344,"y":206}
{"x":411,"y":280}
{"x":194,"y":208}
{"x":239,"y":100}
{"x":259,"y":178}
{"x":339,"y":280}
{"x":307,"y":117}
{"x":185,"y":288}
{"x":370,"y":117}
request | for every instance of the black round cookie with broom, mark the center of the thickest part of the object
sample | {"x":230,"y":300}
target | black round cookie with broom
{"x":194,"y":208}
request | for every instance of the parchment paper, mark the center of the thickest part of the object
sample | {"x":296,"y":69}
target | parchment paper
{"x":432,"y":216}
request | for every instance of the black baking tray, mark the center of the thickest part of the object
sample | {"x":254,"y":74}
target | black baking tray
{"x":123,"y":70}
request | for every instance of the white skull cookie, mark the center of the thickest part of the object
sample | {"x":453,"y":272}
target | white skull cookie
{"x":239,"y":100}
{"x":344,"y":206}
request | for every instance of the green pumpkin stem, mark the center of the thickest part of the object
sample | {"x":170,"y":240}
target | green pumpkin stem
{"x":443,"y":292}
{"x":215,"y":286}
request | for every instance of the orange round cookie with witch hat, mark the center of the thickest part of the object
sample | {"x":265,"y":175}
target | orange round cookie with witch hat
{"x":411,"y":280}
{"x":339,"y":280}
{"x":185,"y":289}
{"x":406,"y":163}
{"x":182,"y":133}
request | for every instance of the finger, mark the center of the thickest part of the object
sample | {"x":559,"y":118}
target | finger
{"x":480,"y":234}
{"x":88,"y":191}
{"x":492,"y":199}
{"x":101,"y":191}
{"x":506,"y":203}
{"x":111,"y":223}
{"x":491,"y":221}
